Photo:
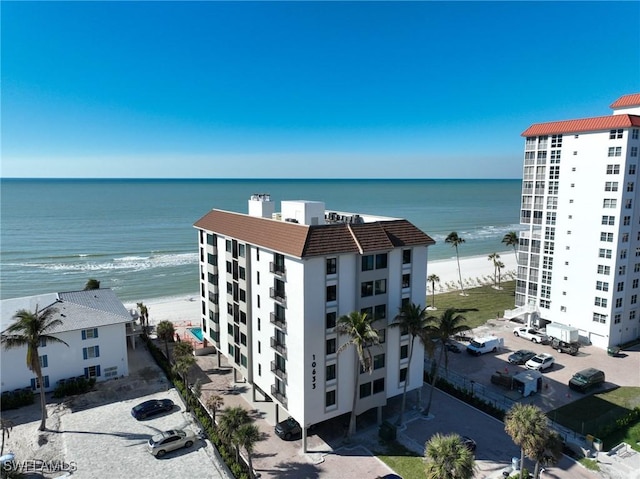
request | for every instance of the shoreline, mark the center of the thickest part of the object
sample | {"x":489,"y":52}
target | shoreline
{"x":184,"y":310}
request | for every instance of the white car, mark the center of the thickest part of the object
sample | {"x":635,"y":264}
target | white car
{"x":167,"y":441}
{"x":540,"y":362}
{"x":531,"y":334}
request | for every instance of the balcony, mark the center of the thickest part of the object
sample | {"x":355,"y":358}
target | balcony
{"x":278,"y":322}
{"x":279,"y":396}
{"x":275,"y":369}
{"x":281,"y":348}
{"x":277,"y":269}
{"x":278,"y":296}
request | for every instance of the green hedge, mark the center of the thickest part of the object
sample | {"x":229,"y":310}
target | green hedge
{"x":73,"y":386}
{"x":16,"y":399}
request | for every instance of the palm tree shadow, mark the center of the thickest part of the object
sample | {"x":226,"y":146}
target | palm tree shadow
{"x":294,"y":470}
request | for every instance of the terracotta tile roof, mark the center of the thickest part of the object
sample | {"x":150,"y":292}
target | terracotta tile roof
{"x":304,"y":241}
{"x":583,"y":125}
{"x":626,"y":101}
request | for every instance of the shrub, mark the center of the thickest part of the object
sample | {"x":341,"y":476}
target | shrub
{"x":73,"y":386}
{"x":16,"y":399}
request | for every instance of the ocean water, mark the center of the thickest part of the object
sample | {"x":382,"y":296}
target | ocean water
{"x":137,"y":236}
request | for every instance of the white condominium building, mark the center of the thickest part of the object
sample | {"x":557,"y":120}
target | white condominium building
{"x":579,"y":260}
{"x":273,"y":284}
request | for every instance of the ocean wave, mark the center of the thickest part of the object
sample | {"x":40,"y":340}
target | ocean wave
{"x":125,"y":263}
{"x":481,"y":233}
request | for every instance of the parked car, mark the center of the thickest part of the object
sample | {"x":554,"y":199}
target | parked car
{"x":521,"y":356}
{"x":171,"y":440}
{"x":531,"y":334}
{"x":151,"y":408}
{"x":288,"y":428}
{"x":469,"y":443}
{"x":540,"y":362}
{"x":487,"y":344}
{"x":586,"y":379}
{"x":564,"y":347}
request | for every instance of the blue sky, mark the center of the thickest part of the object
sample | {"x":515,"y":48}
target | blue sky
{"x":303,"y":89}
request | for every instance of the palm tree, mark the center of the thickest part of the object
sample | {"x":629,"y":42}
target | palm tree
{"x":499,"y":266}
{"x":495,"y":257}
{"x":7,"y":427}
{"x":433,"y":279}
{"x":144,"y":313}
{"x":92,"y":284}
{"x":166,"y":332}
{"x":213,"y":404}
{"x":247,"y":435}
{"x":447,"y":457}
{"x":230,"y":423}
{"x":550,"y":454}
{"x":527,"y":425}
{"x":412,"y":319}
{"x":30,"y":329}
{"x":511,"y":239}
{"x":357,"y":326}
{"x":454,"y":240}
{"x":447,"y":325}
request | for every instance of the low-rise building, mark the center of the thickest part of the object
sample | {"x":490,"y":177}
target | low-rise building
{"x":96,"y":327}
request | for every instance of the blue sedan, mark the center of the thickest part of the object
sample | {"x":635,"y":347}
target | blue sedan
{"x":151,"y":408}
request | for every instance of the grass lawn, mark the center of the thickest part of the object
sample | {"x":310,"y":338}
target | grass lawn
{"x":480,"y":305}
{"x":403,"y":461}
{"x":589,"y":414}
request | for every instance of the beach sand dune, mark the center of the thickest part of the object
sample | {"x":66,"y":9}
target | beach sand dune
{"x":184,"y":311}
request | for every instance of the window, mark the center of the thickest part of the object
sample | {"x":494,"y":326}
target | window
{"x":242,"y":273}
{"x":381,"y":286}
{"x":331,"y":320}
{"x":381,"y":261}
{"x":43,"y":342}
{"x":556,"y":141}
{"x":613,"y":134}
{"x":604,"y":253}
{"x":616,"y":318}
{"x":36,"y":385}
{"x":366,"y":289}
{"x":626,"y":221}
{"x":406,"y":280}
{"x":403,"y":375}
{"x":602,"y":302}
{"x":228,"y":246}
{"x":634,"y":151}
{"x":44,"y":361}
{"x":634,"y":298}
{"x":331,"y":293}
{"x":604,"y":269}
{"x":111,"y":372}
{"x":92,"y":372}
{"x":610,"y":203}
{"x":602,"y":286}
{"x":330,"y":346}
{"x":618,"y":302}
{"x":634,"y":284}
{"x":365,"y":390}
{"x":634,"y":134}
{"x":89,"y":333}
{"x":615,"y":151}
{"x":243,"y":296}
{"x":332,"y":264}
{"x":367,"y":262}
{"x":380,"y":311}
{"x":378,"y":361}
{"x":241,"y":250}
{"x":609,"y":220}
{"x":625,"y":237}
{"x":404,"y":351}
{"x":91,"y":352}
{"x":623,"y":254}
{"x":229,"y":269}
{"x":330,"y":398}
{"x":632,"y":169}
{"x":611,"y":186}
{"x":406,"y":256}
{"x":608,"y":237}
{"x":632,"y":314}
{"x":382,"y":335}
{"x":628,"y":203}
{"x":330,"y":372}
{"x":551,"y":218}
{"x":378,"y":386}
{"x":620,"y":286}
{"x":599,"y":318}
{"x":622,"y":269}
{"x":630,"y":186}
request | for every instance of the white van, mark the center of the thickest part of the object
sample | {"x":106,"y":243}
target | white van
{"x":488,"y":344}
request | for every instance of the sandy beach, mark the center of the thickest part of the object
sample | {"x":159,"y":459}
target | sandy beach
{"x":184,"y":311}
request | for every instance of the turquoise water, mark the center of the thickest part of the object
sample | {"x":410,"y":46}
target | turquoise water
{"x":197,"y":333}
{"x":137,"y":236}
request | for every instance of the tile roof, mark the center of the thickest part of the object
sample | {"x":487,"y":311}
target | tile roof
{"x":626,"y":101}
{"x":583,"y":125}
{"x":317,"y":240}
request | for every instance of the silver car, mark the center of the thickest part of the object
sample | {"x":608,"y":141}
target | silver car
{"x":167,"y":441}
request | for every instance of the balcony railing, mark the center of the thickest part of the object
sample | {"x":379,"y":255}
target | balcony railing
{"x":278,"y":295}
{"x":279,"y":396}
{"x":279,"y":322}
{"x":279,"y":347}
{"x":278,"y":269}
{"x":275,"y":369}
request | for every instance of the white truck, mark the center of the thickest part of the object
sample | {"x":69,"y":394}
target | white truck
{"x":487,"y":344}
{"x":562,"y":332}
